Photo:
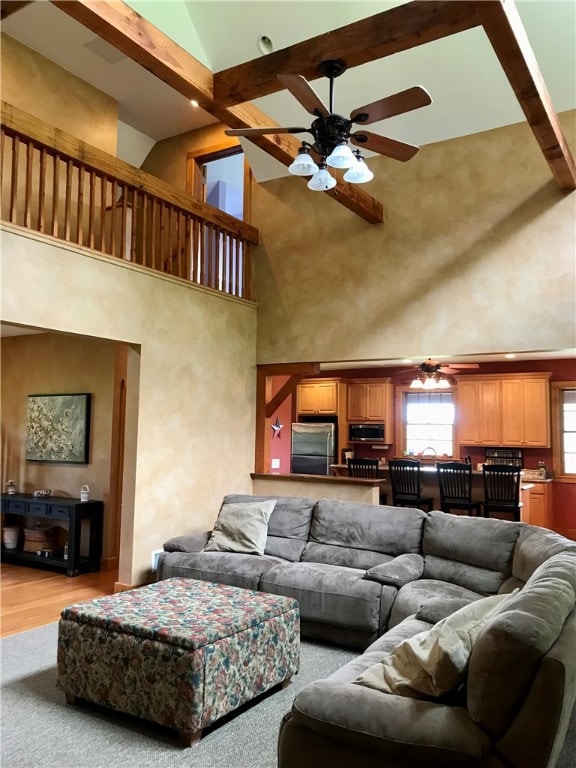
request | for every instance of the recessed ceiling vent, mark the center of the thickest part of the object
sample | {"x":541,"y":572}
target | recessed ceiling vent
{"x":105,"y":50}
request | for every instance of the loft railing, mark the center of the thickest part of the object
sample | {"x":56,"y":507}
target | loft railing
{"x":60,"y":186}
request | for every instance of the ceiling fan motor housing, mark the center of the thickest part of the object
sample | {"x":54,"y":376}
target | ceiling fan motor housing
{"x":328,"y":132}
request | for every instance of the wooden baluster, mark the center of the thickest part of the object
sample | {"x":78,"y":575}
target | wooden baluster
{"x":195,"y":251}
{"x":91,"y":207}
{"x":153,"y":231}
{"x":80,"y":206}
{"x":55,"y":195}
{"x":40,"y":221}
{"x":187,"y":246}
{"x":14,"y":185}
{"x":179,"y":233}
{"x":234,"y":287}
{"x":134,"y":255}
{"x":28,"y":185}
{"x":113,"y":238}
{"x":103,"y":183}
{"x":123,"y":221}
{"x":144,"y":228}
{"x":68,"y":199}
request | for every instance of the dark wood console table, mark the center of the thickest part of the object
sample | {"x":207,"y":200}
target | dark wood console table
{"x":17,"y":508}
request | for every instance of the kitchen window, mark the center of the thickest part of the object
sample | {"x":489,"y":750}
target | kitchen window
{"x":428,"y":422}
{"x":564,"y":429}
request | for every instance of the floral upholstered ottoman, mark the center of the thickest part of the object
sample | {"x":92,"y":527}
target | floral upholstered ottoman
{"x":180,"y":652}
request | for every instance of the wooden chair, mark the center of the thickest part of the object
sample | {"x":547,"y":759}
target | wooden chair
{"x":406,"y":486}
{"x":502,"y":489}
{"x":366,"y":468}
{"x":455,"y":484}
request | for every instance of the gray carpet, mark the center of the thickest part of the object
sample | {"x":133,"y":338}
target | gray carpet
{"x":39,"y":730}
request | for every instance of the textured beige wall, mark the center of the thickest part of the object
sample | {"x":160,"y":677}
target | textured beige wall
{"x":53,"y":364}
{"x":168,"y":158}
{"x":476,"y":254}
{"x":195,"y":415}
{"x":50,"y":93}
{"x":316,"y":489}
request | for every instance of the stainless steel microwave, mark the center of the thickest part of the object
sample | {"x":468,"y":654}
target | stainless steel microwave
{"x":366,"y":433}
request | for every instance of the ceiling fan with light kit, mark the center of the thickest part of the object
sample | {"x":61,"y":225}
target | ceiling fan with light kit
{"x":332,"y":132}
{"x":432,"y":374}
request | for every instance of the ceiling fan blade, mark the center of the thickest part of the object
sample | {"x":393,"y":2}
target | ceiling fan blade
{"x":303,"y":92}
{"x":397,"y":104}
{"x":457,"y":366}
{"x":262,"y":131}
{"x":398,"y":150}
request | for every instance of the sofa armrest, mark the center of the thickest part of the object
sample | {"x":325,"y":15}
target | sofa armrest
{"x":191,"y":542}
{"x":397,"y":572}
{"x":426,"y":732}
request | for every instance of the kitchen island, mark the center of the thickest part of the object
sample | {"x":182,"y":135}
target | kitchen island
{"x":317,"y":486}
{"x":535,"y":495}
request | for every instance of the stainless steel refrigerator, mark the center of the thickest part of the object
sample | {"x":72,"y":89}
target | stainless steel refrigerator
{"x":313,"y":448}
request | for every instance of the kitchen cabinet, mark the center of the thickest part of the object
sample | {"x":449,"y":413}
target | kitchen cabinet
{"x":526,"y":411}
{"x":537,"y":504}
{"x":316,"y":397}
{"x":510,"y":410}
{"x":372,"y":400}
{"x":479,"y":410}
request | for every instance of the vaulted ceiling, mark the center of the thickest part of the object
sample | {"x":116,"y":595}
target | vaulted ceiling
{"x":480,"y":49}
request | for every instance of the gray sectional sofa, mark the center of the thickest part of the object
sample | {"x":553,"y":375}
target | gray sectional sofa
{"x":375,"y":577}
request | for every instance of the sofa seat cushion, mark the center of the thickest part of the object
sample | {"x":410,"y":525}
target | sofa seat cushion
{"x":510,"y":648}
{"x":230,"y":568}
{"x":327,"y":593}
{"x":474,"y":553}
{"x":288,"y":526}
{"x":432,"y":663}
{"x":413,"y":596}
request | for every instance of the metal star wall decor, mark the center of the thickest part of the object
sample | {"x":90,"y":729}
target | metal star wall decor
{"x":276,"y":428}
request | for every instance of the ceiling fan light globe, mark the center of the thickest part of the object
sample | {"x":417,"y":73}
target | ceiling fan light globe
{"x":341,"y":157}
{"x":303,"y":165}
{"x":359,"y":173}
{"x":321,"y":181}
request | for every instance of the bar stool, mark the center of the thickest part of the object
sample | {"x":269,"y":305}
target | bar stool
{"x":406,"y":486}
{"x":502,"y":489}
{"x":455,"y":484}
{"x":366,"y":468}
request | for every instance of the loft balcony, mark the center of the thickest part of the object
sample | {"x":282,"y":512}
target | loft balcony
{"x":57,"y":185}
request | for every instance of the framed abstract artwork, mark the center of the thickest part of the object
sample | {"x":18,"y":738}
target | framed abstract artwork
{"x":58,"y":428}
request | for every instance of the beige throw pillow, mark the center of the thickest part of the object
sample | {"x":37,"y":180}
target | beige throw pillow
{"x":433,"y":663}
{"x":241,"y":528}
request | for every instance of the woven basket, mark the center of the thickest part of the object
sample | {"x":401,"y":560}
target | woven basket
{"x":38,"y":538}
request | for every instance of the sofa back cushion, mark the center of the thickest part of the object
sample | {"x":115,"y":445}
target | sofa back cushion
{"x":535,"y":545}
{"x":474,"y":553}
{"x":289,"y":524}
{"x":509,"y":650}
{"x":362,"y":535}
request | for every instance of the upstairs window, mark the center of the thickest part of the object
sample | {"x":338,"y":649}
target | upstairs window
{"x":429,"y":423}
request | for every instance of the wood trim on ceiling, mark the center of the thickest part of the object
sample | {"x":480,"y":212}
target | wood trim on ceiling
{"x":399,"y":29}
{"x":116,"y":23}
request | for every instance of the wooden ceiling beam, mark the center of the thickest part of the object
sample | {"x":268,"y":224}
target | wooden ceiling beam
{"x":116,"y":23}
{"x":506,"y":33}
{"x":399,"y":29}
{"x":8,"y":7}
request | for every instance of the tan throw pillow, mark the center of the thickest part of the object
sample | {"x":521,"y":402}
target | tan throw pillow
{"x":433,"y":663}
{"x":241,"y":528}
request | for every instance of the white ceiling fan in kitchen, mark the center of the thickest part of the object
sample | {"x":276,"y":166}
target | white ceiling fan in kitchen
{"x":432,"y":374}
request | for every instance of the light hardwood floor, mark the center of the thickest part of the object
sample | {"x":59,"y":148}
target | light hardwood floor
{"x":31,"y":597}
